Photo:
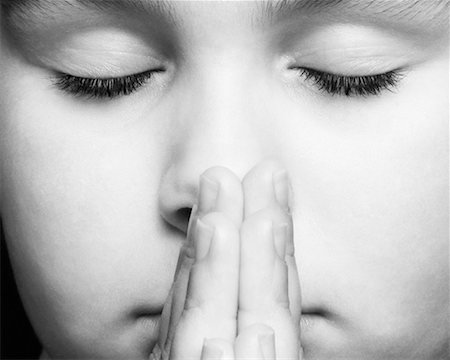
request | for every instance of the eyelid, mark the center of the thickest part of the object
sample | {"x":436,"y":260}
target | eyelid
{"x":353,"y":64}
{"x":351,"y":50}
{"x":96,"y":64}
{"x":100,"y":52}
{"x":102,"y":88}
{"x":345,"y":65}
{"x":344,"y":75}
{"x":352,"y":86}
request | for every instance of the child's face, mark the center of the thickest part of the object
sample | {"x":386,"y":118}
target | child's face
{"x":96,"y":192}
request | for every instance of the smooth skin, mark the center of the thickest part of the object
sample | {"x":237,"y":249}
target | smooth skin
{"x":95,"y":195}
{"x":231,"y":294}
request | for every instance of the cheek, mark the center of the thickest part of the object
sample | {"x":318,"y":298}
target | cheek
{"x":79,"y":206}
{"x":371,"y":214}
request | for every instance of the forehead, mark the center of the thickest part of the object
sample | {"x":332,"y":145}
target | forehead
{"x":422,"y":16}
{"x":407,"y":9}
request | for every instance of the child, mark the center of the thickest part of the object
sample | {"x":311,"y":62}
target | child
{"x":111,"y":111}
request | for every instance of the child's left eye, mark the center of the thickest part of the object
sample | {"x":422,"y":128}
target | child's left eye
{"x":351,"y":86}
{"x":102,"y":88}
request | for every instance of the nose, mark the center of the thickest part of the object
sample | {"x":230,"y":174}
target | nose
{"x":217,"y":124}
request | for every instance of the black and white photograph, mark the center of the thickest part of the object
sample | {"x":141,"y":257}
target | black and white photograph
{"x":224,"y":179}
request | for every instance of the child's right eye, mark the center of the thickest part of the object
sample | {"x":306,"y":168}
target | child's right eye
{"x":103,"y":88}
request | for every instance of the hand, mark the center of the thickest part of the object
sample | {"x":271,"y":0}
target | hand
{"x":269,"y":291}
{"x":205,"y":296}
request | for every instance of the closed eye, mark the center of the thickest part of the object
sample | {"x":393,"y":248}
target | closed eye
{"x":102,"y":88}
{"x":351,"y":86}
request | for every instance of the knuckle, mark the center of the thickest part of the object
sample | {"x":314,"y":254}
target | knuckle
{"x":258,"y":328}
{"x":264,"y":313}
{"x":270,"y":215}
{"x":193,"y":307}
{"x":217,"y":218}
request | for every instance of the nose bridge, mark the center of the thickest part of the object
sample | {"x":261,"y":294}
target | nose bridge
{"x":220,"y":115}
{"x":218,"y":125}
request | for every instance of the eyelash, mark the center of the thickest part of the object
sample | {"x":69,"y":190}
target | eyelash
{"x":352,"y":86}
{"x":106,"y":88}
{"x":340,"y":85}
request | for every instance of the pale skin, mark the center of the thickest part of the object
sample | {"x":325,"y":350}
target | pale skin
{"x":96,"y":192}
{"x":238,"y":297}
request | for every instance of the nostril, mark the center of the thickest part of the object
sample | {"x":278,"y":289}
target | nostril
{"x":181,"y":218}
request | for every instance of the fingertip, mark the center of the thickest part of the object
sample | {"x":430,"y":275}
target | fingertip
{"x":230,"y":197}
{"x":228,"y":181}
{"x":217,"y":349}
{"x":265,"y":185}
{"x":255,"y":341}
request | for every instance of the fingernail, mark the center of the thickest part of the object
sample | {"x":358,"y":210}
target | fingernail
{"x":202,"y":242}
{"x":282,"y":189}
{"x":280,"y":235}
{"x":209,"y":190}
{"x":267,"y":345}
{"x":211,"y":350}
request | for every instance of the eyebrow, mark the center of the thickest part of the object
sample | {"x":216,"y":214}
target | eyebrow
{"x":430,"y":13}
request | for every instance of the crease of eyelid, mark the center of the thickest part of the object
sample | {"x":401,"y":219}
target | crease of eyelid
{"x":108,"y":52}
{"x":99,"y":65}
{"x":355,"y":66}
{"x":388,"y":51}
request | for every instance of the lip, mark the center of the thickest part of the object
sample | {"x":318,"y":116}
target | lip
{"x":148,"y":321}
{"x":311,"y":317}
{"x":147,"y":311}
{"x":149,"y":317}
{"x":308,"y":321}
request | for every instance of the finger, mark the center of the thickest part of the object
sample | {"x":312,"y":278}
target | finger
{"x":156,"y":353}
{"x":217,"y":349}
{"x":263,"y":292}
{"x":266,"y":185}
{"x":174,"y":306}
{"x":262,"y":258}
{"x":294,"y":291}
{"x":177,"y":295}
{"x":256,"y":341}
{"x":221,"y":191}
{"x":217,"y":258}
{"x":211,"y":299}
